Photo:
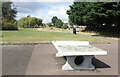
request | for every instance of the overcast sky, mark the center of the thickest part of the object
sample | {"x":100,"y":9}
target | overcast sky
{"x":44,"y":10}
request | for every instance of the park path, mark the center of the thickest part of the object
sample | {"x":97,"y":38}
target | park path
{"x":44,"y":62}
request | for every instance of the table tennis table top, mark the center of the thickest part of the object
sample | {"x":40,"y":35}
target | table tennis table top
{"x":77,"y":49}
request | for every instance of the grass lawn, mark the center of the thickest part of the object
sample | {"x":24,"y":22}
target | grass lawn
{"x":25,"y":35}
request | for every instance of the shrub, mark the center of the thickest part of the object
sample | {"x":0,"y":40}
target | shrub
{"x":29,"y":22}
{"x":9,"y":26}
{"x":65,"y":26}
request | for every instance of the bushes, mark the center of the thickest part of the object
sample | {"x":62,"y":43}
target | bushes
{"x":65,"y":26}
{"x":9,"y":26}
{"x":29,"y":22}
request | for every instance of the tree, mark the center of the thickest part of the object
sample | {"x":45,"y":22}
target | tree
{"x":65,"y":26}
{"x":54,"y":19}
{"x":94,"y":14}
{"x":81,"y":13}
{"x":29,"y":22}
{"x":8,"y":11}
{"x":8,"y":16}
{"x":58,"y":23}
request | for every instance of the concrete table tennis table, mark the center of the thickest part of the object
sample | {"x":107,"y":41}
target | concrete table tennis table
{"x":72,"y":49}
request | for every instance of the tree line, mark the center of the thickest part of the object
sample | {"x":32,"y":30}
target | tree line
{"x":8,"y":16}
{"x":58,"y":23}
{"x":98,"y":16}
{"x":9,"y":22}
{"x":29,"y":22}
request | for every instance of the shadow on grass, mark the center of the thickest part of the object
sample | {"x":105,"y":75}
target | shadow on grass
{"x":11,"y":30}
{"x":109,"y":34}
{"x":103,"y":33}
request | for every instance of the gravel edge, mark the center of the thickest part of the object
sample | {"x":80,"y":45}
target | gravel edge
{"x":35,"y":43}
{"x":25,"y":43}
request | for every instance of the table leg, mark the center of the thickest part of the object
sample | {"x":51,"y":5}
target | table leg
{"x":59,"y":54}
{"x":70,"y":63}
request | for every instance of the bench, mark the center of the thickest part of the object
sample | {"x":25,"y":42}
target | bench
{"x":72,"y":49}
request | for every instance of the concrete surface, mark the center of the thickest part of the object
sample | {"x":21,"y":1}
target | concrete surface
{"x":44,"y":57}
{"x":40,"y":60}
{"x":15,"y":59}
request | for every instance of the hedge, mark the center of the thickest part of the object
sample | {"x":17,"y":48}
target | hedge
{"x":9,"y":26}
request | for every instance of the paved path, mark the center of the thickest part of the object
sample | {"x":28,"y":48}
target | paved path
{"x":15,"y":59}
{"x":40,"y":60}
{"x":44,"y":62}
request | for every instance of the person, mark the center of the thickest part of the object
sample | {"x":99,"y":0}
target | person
{"x":74,"y":31}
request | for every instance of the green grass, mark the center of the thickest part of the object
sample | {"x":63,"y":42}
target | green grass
{"x":25,"y":35}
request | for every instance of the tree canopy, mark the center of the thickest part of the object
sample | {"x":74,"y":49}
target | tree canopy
{"x":9,"y":12}
{"x":95,"y":14}
{"x":58,"y":23}
{"x":54,"y":19}
{"x":29,"y":22}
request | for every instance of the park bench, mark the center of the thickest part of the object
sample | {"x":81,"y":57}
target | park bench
{"x":72,"y":49}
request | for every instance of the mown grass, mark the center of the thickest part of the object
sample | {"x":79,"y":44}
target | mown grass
{"x":25,"y":35}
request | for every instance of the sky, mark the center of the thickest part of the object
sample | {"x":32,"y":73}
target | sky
{"x":43,"y":9}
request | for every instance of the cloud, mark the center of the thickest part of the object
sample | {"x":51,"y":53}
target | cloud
{"x":59,"y":11}
{"x":55,"y":1}
{"x":45,"y":11}
{"x":26,"y":7}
